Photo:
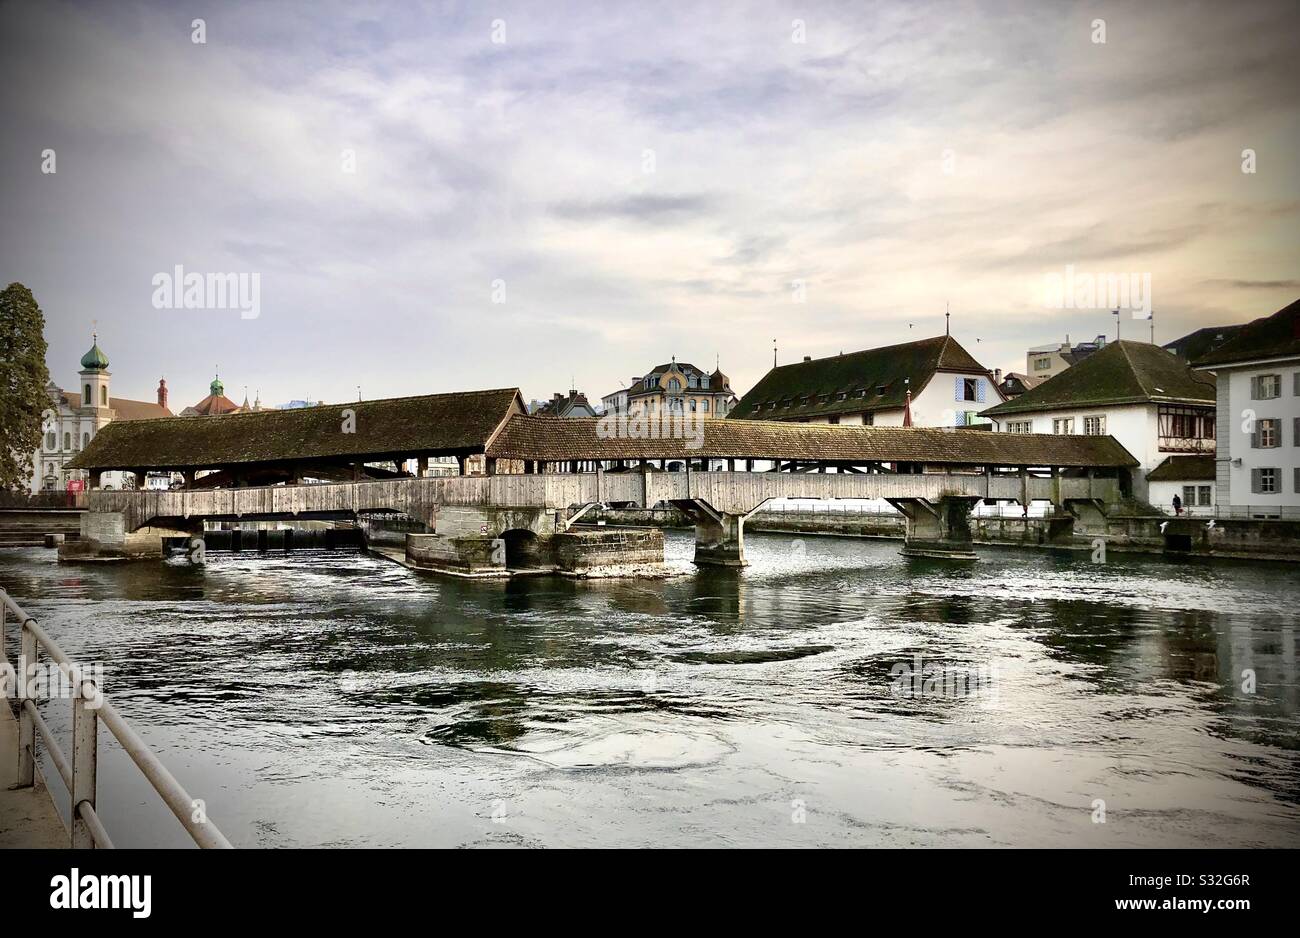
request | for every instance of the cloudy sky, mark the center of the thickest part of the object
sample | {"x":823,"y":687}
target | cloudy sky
{"x":637,"y":180}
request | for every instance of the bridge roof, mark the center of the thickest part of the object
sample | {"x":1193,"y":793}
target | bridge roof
{"x":555,"y":439}
{"x":433,"y":424}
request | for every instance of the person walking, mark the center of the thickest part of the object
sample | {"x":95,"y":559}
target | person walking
{"x":1178,"y":505}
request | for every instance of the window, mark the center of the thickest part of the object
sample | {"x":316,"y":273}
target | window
{"x":1297,"y":480}
{"x":1063,"y":425}
{"x":1267,"y":435}
{"x":1189,"y":496}
{"x":880,"y":391}
{"x":704,"y":406}
{"x":1184,"y":429}
{"x":969,"y":389}
{"x":1204,"y":491}
{"x":67,"y":441}
{"x":674,"y":386}
{"x":1265,"y":387}
{"x":86,"y":399}
{"x":1295,"y":432}
{"x":834,"y":419}
{"x":103,"y":395}
{"x":868,"y":420}
{"x":1042,"y":364}
{"x":1263,"y":481}
{"x":841,"y":396}
{"x":85,"y":440}
{"x":693,"y":405}
{"x":1020,"y":426}
{"x":693,"y":381}
{"x":1094,"y":426}
{"x":1297,"y":384}
{"x":51,"y":441}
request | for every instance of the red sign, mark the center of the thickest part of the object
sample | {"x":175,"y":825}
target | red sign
{"x":76,"y":485}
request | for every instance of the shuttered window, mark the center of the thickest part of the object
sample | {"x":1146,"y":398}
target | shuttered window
{"x":1265,"y":387}
{"x":1263,"y":481}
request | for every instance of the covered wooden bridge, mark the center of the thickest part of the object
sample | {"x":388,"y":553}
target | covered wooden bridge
{"x":540,"y":473}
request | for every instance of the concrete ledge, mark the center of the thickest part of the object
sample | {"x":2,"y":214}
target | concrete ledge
{"x":28,"y":818}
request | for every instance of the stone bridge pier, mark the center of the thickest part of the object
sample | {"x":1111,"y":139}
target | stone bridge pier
{"x":719,"y":535}
{"x":938,"y":527}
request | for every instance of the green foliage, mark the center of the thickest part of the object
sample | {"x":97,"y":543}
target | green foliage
{"x":23,"y":377}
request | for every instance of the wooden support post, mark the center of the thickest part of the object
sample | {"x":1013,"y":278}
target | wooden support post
{"x":422,"y":466}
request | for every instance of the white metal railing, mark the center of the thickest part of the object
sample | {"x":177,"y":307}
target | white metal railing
{"x":89,"y":709}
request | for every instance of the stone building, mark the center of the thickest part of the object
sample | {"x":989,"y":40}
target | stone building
{"x":1257,"y":465}
{"x":675,"y":388}
{"x":74,"y":417}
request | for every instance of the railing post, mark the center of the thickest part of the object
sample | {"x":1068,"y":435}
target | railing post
{"x":26,"y":728}
{"x":4,"y":608}
{"x":85,"y":736}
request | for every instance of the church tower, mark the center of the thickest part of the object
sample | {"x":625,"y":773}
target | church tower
{"x":94,"y":379}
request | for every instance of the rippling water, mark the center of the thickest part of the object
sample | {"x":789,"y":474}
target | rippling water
{"x":333,"y":698}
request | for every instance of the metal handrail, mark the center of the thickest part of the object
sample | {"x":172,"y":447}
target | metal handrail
{"x":78,"y":773}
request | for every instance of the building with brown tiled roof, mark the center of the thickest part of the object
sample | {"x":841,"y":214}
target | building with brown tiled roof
{"x":935,"y":380}
{"x":215,"y":404}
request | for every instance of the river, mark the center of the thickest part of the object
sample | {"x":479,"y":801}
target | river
{"x":332,"y":698}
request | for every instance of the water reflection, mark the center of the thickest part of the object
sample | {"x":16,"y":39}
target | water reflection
{"x":332,"y":697}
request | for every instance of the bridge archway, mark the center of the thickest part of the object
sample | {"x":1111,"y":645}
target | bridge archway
{"x":523,"y":549}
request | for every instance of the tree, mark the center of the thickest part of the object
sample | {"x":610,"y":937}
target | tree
{"x":23,"y":377}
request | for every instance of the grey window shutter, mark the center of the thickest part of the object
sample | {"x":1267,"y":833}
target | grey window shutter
{"x":1255,"y":484}
{"x":1295,"y":433}
{"x":1254,"y":435}
{"x":957,"y":391}
{"x":979,"y":390}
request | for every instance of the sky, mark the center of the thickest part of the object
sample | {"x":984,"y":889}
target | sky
{"x":551,"y":195}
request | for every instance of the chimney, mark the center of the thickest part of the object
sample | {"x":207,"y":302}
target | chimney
{"x":997,"y":375}
{"x":807,"y":358}
{"x":162,"y":393}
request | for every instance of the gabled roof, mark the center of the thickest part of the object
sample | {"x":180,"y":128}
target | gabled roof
{"x":126,"y":410}
{"x":553,"y":439}
{"x":561,"y":405}
{"x":1276,"y":336}
{"x":1197,"y":468}
{"x":1201,"y":342}
{"x":433,"y":424}
{"x":893,"y":368}
{"x":1121,"y":373}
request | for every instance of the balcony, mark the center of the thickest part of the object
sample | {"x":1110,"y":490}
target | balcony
{"x":1186,"y":444}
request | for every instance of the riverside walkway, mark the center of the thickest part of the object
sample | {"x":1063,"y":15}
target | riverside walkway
{"x":28,"y":818}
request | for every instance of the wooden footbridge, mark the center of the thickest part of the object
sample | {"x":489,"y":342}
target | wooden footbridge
{"x":538,"y":475}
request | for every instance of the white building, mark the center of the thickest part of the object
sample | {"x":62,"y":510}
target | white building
{"x":1152,"y":402}
{"x":945,"y":385}
{"x":74,"y":418}
{"x":1257,"y":469}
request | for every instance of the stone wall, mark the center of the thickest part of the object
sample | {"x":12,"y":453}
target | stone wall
{"x":608,"y":551}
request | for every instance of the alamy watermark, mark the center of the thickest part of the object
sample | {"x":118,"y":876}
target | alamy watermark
{"x":181,"y":290}
{"x":688,"y":426}
{"x":47,"y":681}
{"x":1078,"y":290}
{"x":921,"y":678}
